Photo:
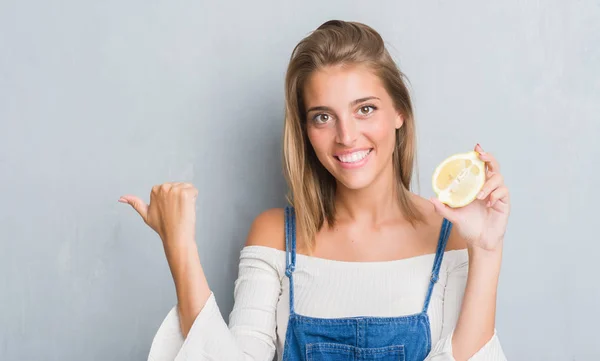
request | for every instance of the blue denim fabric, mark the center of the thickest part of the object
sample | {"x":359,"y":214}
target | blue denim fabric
{"x":404,"y":338}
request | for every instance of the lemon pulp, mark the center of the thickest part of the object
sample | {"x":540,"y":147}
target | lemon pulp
{"x":458,"y":179}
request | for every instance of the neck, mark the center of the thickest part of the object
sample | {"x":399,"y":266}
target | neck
{"x":374,"y":204}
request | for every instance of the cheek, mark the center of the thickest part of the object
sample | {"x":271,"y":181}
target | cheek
{"x":318,"y":139}
{"x":382,"y":131}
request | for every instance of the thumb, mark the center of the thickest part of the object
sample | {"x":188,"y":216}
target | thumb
{"x":139,"y":205}
{"x":442,"y":209}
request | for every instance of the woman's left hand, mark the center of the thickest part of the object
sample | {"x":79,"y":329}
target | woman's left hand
{"x":482,"y":223}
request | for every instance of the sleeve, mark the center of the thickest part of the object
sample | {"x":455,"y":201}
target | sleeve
{"x":251,"y":333}
{"x":453,"y":296}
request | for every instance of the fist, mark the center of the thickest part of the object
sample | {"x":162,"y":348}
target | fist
{"x":171,"y":212}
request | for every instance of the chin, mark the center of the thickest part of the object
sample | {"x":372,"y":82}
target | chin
{"x":356,"y":182}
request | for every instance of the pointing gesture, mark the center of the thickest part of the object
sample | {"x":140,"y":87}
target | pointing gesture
{"x":171,"y":212}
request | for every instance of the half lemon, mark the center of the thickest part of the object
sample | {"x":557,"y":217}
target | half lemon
{"x":458,"y":179}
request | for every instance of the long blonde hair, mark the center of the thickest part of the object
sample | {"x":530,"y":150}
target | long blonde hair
{"x":311,"y":186}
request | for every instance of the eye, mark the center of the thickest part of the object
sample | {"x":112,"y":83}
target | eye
{"x":366,"y":110}
{"x":321,"y":118}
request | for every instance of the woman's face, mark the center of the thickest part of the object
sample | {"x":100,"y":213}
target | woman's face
{"x":351,"y":123}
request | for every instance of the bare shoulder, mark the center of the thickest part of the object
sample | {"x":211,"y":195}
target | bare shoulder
{"x":455,"y":241}
{"x":268,"y":230}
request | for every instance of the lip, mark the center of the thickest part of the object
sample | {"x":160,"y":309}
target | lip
{"x":356,"y":165}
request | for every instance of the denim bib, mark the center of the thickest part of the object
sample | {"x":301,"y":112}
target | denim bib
{"x":404,"y":338}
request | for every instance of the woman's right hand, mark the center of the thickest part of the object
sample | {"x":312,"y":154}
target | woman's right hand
{"x":171,"y":212}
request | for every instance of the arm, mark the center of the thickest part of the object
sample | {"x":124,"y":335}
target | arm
{"x":251,"y":333}
{"x":476,"y":323}
{"x":172,"y":214}
{"x":191,"y":285}
{"x":456,"y":310}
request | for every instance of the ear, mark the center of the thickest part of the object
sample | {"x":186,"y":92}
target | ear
{"x":399,"y":120}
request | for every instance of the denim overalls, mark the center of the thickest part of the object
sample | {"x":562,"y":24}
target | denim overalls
{"x":404,"y":338}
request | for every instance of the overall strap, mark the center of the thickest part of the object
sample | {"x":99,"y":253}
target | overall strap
{"x":290,"y":250}
{"x":439,"y":255}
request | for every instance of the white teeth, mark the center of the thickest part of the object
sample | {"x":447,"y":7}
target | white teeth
{"x":353,"y":157}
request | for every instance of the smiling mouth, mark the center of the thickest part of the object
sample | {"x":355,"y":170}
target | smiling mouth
{"x":354,"y":157}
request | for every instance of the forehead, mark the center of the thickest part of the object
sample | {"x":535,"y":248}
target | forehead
{"x":342,"y":84}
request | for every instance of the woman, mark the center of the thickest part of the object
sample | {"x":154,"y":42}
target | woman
{"x":359,"y":268}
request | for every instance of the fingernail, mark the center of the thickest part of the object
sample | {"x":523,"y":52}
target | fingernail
{"x":480,"y":195}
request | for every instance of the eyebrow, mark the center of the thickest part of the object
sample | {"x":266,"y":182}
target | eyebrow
{"x":353,"y":103}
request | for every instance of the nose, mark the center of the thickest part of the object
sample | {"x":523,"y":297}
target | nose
{"x":346,"y":131}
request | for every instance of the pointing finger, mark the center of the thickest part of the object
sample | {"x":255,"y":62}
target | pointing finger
{"x":139,"y":205}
